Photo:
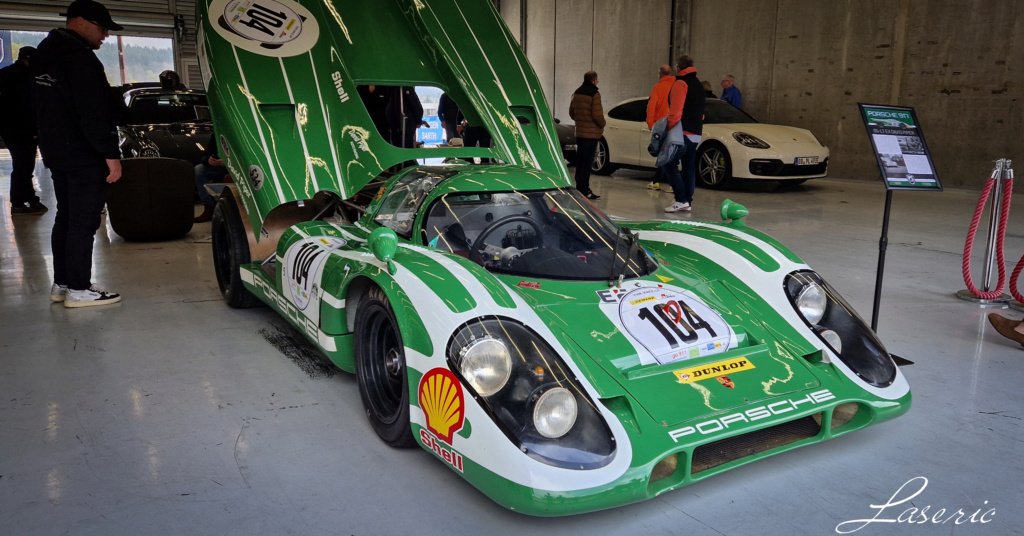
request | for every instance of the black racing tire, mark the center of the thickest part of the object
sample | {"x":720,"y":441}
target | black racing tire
{"x":230,"y":252}
{"x":381,"y":370}
{"x":714,"y":167}
{"x":602,"y":161}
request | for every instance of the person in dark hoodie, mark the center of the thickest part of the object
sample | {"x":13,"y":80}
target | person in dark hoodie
{"x":78,"y":144}
{"x":18,"y":130}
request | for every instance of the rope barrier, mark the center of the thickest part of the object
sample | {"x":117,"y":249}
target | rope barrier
{"x":1001,"y":233}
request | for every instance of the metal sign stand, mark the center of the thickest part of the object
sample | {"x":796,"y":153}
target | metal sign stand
{"x":1002,"y":172}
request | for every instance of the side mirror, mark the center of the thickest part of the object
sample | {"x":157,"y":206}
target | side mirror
{"x":733,"y":212}
{"x":384,"y":244}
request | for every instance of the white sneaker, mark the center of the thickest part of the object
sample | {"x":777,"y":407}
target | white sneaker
{"x":654,"y":185}
{"x":678,"y":207}
{"x":58,"y":292}
{"x":94,"y":295}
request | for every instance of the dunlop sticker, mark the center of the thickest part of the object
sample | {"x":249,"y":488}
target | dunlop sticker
{"x":712,"y":370}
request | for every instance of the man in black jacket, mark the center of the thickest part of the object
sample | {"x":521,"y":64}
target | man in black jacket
{"x":78,"y":144}
{"x":686,"y":103}
{"x":18,"y":130}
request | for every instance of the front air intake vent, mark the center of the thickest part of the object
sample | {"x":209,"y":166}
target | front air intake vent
{"x":720,"y":452}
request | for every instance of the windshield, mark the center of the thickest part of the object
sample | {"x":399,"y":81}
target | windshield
{"x":718,"y":111}
{"x":166,"y":108}
{"x":553,"y":234}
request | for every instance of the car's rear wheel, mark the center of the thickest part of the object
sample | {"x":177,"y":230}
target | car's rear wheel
{"x":602,"y":163}
{"x":714,"y":168}
{"x":230,"y":252}
{"x":381,"y":370}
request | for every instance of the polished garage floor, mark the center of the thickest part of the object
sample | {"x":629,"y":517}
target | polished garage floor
{"x":172,"y":414}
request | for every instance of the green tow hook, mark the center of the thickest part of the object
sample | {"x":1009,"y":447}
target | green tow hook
{"x":734,"y":212}
{"x":384,"y":244}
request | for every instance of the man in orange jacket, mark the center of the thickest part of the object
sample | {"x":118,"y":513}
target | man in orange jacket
{"x":657,"y":107}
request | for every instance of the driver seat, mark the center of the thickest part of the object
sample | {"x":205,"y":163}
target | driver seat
{"x":453,"y":239}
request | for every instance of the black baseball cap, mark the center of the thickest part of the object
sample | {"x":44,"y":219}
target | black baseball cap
{"x":93,"y":12}
{"x":25,"y":53}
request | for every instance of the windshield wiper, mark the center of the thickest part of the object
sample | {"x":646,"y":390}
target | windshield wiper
{"x":618,"y":275}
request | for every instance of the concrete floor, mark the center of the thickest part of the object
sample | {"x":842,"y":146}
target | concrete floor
{"x":172,"y":414}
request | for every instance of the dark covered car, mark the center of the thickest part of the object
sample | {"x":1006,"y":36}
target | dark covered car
{"x":170,"y":123}
{"x":566,"y":140}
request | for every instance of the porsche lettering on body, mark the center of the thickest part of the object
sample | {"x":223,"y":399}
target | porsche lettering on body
{"x":720,"y":424}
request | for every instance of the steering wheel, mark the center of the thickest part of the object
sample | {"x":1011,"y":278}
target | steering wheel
{"x":481,"y":238}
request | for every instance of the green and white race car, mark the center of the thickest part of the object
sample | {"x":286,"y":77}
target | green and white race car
{"x":559,"y":361}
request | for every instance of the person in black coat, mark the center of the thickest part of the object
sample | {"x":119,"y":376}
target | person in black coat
{"x":405,"y":115}
{"x":73,"y":117}
{"x":375,"y":98}
{"x":210,"y":169}
{"x":18,"y":130}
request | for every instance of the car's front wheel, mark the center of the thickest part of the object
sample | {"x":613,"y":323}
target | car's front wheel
{"x":602,"y":162}
{"x":381,"y":370}
{"x":714,"y":168}
{"x":230,"y":251}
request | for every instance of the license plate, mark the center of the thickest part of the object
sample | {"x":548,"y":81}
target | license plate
{"x":806,"y":160}
{"x":569,"y":147}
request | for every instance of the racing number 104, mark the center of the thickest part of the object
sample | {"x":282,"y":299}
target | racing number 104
{"x":674,"y":320}
{"x":262,"y":19}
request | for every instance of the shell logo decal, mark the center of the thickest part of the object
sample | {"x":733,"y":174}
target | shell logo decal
{"x":442,"y":402}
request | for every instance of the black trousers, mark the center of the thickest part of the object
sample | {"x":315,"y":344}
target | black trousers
{"x":23,"y":162}
{"x":81,"y":194}
{"x":474,"y":136}
{"x":586,"y":149}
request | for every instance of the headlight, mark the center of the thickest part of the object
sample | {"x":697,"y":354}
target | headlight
{"x":840,"y":328}
{"x":529,"y":393}
{"x":749,"y":140}
{"x":555,"y":412}
{"x":486,"y":365}
{"x":811,"y":302}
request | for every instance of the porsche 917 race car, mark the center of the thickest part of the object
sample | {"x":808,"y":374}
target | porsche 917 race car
{"x":559,"y":361}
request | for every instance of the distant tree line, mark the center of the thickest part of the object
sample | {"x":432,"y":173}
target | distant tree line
{"x":141,"y":64}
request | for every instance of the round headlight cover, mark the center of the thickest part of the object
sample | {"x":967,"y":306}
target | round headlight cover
{"x":812,"y":302}
{"x":555,"y":412}
{"x":486,"y":365}
{"x":838,"y":326}
{"x":530,"y":393}
{"x":833,"y":340}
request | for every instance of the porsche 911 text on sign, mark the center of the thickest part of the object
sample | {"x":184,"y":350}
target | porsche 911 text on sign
{"x":557,"y":360}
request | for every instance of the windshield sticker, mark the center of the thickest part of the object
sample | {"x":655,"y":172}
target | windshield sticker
{"x":278,"y":28}
{"x":671,"y":325}
{"x":303,"y":267}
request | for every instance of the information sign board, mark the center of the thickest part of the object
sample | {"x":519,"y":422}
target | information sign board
{"x":900,"y":148}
